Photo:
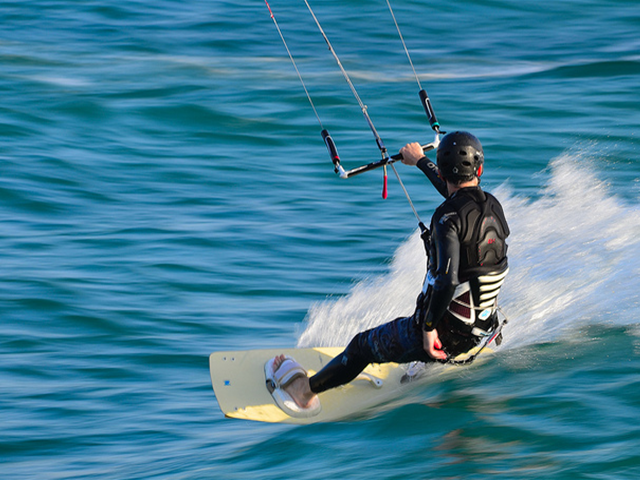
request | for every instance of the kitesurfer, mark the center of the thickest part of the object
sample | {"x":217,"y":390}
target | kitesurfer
{"x":457,"y":307}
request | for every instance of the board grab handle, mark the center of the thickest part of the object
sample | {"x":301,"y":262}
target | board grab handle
{"x":375,"y":381}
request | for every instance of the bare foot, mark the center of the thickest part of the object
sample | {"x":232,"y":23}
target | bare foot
{"x":299,"y":388}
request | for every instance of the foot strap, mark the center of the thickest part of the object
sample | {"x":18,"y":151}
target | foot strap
{"x":278,"y":380}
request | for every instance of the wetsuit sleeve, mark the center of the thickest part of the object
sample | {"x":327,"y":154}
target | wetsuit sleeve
{"x":431,"y":171}
{"x":447,"y":251}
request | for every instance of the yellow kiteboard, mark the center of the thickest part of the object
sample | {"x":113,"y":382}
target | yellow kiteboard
{"x":239,"y":384}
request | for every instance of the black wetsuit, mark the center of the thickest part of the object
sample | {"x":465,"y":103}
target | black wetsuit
{"x":467,"y":264}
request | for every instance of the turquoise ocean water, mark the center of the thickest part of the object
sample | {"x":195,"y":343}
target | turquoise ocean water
{"x":165,"y":193}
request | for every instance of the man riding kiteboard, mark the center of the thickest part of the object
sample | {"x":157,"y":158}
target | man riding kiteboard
{"x":457,"y":307}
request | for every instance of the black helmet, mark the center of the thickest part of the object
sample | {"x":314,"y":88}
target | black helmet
{"x":460,"y":157}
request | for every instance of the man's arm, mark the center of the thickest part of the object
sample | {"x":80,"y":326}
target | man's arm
{"x":430,"y":169}
{"x":412,"y":154}
{"x":447,"y":251}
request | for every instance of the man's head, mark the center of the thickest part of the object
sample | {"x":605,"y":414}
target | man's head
{"x":460,"y":157}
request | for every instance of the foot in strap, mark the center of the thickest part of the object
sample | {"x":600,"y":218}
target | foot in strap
{"x":288,"y":384}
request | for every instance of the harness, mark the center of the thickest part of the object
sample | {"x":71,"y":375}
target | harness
{"x":483,"y":262}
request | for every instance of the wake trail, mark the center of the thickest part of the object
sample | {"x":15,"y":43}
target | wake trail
{"x":573,"y":255}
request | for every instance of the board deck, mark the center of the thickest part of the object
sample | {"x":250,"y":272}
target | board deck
{"x":239,"y":385}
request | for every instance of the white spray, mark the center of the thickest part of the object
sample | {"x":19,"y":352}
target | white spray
{"x":574,"y":258}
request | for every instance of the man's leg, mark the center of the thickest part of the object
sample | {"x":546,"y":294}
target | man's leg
{"x":397,"y":341}
{"x":340,"y":370}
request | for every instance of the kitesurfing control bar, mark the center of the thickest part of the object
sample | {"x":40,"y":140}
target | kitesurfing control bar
{"x":385,"y":161}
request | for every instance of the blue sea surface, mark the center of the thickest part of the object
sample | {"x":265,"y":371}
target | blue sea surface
{"x":165,"y":193}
